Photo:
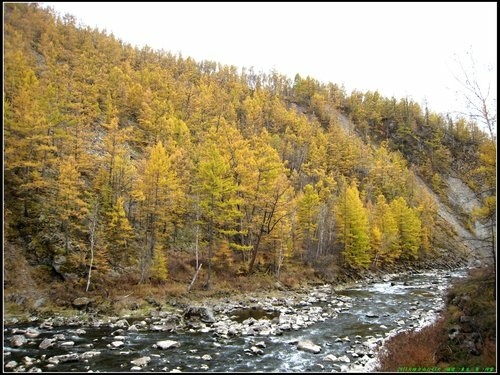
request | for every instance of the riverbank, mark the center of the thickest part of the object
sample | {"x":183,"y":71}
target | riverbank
{"x":462,"y":338}
{"x":124,"y":299}
{"x":321,"y":328}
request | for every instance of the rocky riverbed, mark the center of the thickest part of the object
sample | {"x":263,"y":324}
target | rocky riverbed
{"x":324,"y":328}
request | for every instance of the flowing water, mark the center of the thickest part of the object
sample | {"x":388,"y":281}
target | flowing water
{"x":368,"y":313}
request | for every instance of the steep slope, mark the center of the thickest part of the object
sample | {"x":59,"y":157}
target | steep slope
{"x":460,"y":197}
{"x":469,"y":241}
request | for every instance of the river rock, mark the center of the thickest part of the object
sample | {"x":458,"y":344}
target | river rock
{"x":203,"y":313}
{"x":58,"y":321}
{"x":67,"y":343}
{"x":167,"y":344}
{"x":162,"y":327}
{"x":344,"y":358}
{"x":308,"y":346}
{"x":18,"y":340}
{"x":28,"y":361}
{"x":133,"y":328}
{"x":32,"y":332}
{"x":260,"y":344}
{"x":206,"y":357}
{"x":122,"y":323}
{"x":256,"y":350}
{"x":46,"y":324}
{"x":116,"y":344}
{"x":11,"y":364}
{"x":89,"y":354}
{"x":371,"y":315}
{"x":71,"y":357}
{"x":46,"y":343}
{"x":141,"y":362}
{"x":285,"y":320}
{"x":118,"y":332}
{"x":330,"y":358}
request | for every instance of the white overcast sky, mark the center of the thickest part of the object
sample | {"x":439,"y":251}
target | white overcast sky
{"x":399,"y":49}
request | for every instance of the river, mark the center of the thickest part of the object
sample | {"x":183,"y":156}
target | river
{"x":353,"y":322}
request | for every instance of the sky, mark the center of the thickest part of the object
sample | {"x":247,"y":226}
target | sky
{"x":399,"y":49}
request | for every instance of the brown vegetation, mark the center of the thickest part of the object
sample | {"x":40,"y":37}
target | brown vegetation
{"x":463,"y":337}
{"x":414,"y":349}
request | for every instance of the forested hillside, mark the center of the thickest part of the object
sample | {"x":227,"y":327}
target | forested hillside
{"x":143,"y":165}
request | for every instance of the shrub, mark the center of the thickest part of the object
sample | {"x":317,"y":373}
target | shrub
{"x":413,"y":348}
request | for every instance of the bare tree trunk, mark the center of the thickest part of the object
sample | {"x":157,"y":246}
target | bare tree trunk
{"x":210,"y":247}
{"x":197,"y":232}
{"x":256,"y":249}
{"x":194,"y":278}
{"x":92,"y":228}
{"x":66,"y":236}
{"x":281,"y":257}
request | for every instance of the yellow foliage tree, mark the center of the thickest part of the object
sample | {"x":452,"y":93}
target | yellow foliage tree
{"x":353,"y":230}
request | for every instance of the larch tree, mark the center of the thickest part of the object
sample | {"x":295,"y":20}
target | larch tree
{"x":427,"y":212}
{"x":216,"y":189}
{"x":353,"y":229}
{"x":158,"y":191}
{"x":308,"y":208}
{"x":410,"y":228}
{"x":119,"y":236}
{"x":71,"y":208}
{"x":385,"y":234}
{"x":267,"y":198}
{"x":30,"y":160}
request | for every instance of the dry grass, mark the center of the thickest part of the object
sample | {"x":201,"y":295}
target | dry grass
{"x":414,"y":349}
{"x":474,"y":298}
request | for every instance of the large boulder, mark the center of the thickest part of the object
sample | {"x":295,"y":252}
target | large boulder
{"x":308,"y":346}
{"x":18,"y":340}
{"x":330,"y":358}
{"x":60,"y":265}
{"x":201,"y":313}
{"x":32,"y":332}
{"x":46,"y":343}
{"x":81,"y":302}
{"x":141,"y":362}
{"x":71,"y":357}
{"x":167,"y":344}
